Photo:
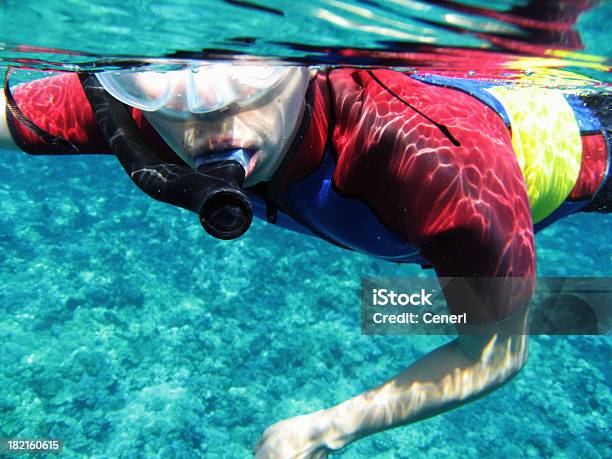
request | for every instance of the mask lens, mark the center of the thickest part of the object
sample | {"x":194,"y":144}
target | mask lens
{"x":195,"y":89}
{"x":257,"y":76}
{"x":208,"y":89}
{"x":252,"y":81}
{"x":147,"y":91}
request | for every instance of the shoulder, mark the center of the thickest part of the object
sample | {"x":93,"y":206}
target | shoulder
{"x":58,"y":106}
{"x":392,"y":116}
{"x":52,"y":90}
{"x":436,"y":165}
{"x":407,"y":146}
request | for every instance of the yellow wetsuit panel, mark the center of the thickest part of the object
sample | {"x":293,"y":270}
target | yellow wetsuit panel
{"x":546,"y":140}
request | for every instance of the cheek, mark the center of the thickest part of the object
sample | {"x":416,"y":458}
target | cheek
{"x":267,"y":123}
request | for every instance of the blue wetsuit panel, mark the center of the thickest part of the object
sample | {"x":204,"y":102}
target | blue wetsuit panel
{"x":587,"y":121}
{"x":282,"y":219}
{"x":565,"y":209}
{"x":474,"y":88}
{"x":345,"y":220}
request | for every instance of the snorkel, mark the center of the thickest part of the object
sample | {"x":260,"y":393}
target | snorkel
{"x":212,"y":189}
{"x":230,"y":124}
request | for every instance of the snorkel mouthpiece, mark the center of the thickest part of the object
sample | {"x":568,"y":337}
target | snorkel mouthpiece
{"x":225,"y":212}
{"x":243,"y":157}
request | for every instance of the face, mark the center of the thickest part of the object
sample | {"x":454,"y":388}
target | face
{"x":264,"y":126}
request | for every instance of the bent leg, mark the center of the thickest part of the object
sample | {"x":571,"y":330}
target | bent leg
{"x":602,"y":201}
{"x":599,"y":104}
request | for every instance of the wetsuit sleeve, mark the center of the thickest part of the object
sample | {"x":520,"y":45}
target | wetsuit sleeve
{"x":58,"y":106}
{"x":438,"y":166}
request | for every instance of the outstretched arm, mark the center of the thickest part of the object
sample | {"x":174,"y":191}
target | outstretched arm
{"x":58,"y":106}
{"x":463,"y":202}
{"x":479,"y":361}
{"x":456,"y":373}
{"x":51,"y":116}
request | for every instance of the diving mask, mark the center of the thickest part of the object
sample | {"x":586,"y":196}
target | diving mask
{"x":196,"y":88}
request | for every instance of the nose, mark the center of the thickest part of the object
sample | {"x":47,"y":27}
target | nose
{"x":208,"y":90}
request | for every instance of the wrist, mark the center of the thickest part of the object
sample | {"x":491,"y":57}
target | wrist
{"x":6,"y":139}
{"x":341,"y":426}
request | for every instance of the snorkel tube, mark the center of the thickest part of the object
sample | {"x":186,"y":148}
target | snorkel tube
{"x":212,"y":190}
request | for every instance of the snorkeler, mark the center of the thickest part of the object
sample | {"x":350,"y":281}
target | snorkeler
{"x":446,"y":172}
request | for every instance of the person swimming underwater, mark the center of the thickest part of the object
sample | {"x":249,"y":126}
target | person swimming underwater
{"x":445,"y":172}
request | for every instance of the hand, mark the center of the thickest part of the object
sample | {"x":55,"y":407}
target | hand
{"x":301,"y":437}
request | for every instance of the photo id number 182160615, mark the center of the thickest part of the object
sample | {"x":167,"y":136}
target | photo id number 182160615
{"x":15,"y":445}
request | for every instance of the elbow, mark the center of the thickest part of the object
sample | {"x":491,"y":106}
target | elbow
{"x":518,"y":368}
{"x":522,"y":358}
{"x":517,"y":359}
{"x":506,"y":360}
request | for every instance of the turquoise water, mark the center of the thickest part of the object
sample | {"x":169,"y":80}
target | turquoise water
{"x":124,"y":326}
{"x":82,"y":34}
{"x":128,"y":332}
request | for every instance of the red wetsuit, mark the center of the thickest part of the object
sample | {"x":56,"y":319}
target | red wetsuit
{"x":384,"y":164}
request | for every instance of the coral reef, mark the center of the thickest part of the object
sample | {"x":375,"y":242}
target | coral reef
{"x":124,"y":328}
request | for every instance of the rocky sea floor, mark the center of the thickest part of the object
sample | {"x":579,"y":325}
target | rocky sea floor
{"x":126,"y":331}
